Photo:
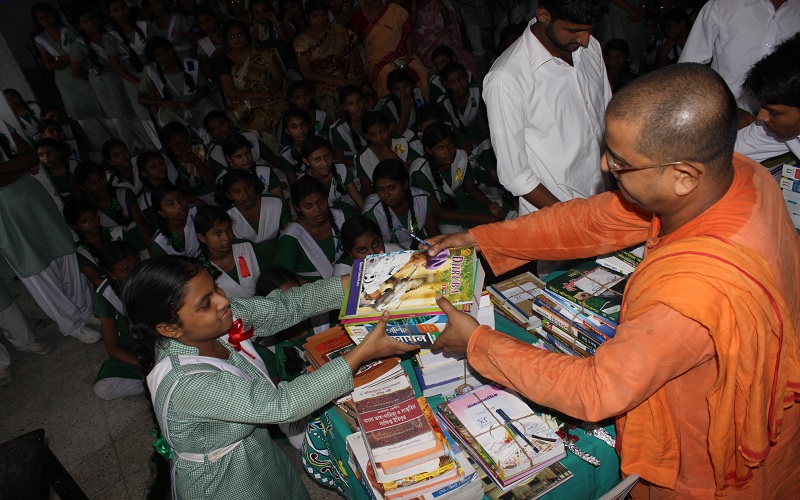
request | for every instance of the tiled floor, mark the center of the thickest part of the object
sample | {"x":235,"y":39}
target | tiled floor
{"x":105,"y":445}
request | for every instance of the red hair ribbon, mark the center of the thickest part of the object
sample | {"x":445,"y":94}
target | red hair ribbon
{"x":237,"y":334}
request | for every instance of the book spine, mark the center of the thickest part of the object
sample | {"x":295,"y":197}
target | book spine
{"x":574,"y":344}
{"x":628,"y":258}
{"x":584,"y":306}
{"x":791,"y":170}
{"x":554,"y":315}
{"x":790,"y":184}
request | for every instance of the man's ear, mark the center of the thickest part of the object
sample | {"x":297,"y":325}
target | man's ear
{"x":543,"y":15}
{"x":687,"y":179}
{"x":169,"y":330}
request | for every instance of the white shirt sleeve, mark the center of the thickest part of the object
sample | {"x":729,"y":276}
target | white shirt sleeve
{"x":506,"y":112}
{"x":699,"y":46}
{"x":756,"y":142}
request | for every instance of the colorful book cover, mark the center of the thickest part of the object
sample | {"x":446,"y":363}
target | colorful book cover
{"x":516,"y":295}
{"x":409,"y":282}
{"x":420,"y":330}
{"x":592,"y":287}
{"x":513,"y":437}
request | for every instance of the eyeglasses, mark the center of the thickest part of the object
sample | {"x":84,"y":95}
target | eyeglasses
{"x":613,"y":166}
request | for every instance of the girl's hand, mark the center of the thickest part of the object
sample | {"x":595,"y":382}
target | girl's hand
{"x":377,"y":345}
{"x":406,"y":103}
{"x":496,"y":211}
{"x":171,"y":104}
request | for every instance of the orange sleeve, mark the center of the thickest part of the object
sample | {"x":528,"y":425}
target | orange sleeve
{"x":570,"y":230}
{"x":645,"y":354}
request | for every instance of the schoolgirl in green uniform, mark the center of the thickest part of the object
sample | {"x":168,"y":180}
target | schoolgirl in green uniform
{"x":312,"y":246}
{"x":120,"y":375}
{"x":211,"y":393}
{"x":188,"y":159}
{"x":59,"y":167}
{"x":463,"y":103}
{"x":382,"y":145}
{"x":256,"y":217}
{"x":296,"y":125}
{"x":343,"y":194}
{"x":219,"y":126}
{"x":174,"y":27}
{"x":121,"y":169}
{"x":396,"y":203}
{"x":346,"y":134}
{"x":239,"y":156}
{"x":400,"y":104}
{"x":301,"y":96}
{"x":176,"y":234}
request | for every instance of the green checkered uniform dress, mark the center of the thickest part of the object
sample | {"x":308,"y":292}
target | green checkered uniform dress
{"x":210,"y":408}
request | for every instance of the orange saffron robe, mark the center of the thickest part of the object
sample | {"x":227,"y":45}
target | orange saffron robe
{"x":704,"y":369}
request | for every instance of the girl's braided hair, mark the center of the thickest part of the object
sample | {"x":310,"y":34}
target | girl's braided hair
{"x":159,"y":42}
{"x":96,"y":66}
{"x":314,"y":143}
{"x":434,"y":134}
{"x":394,"y":170}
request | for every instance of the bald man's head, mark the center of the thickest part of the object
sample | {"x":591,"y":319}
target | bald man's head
{"x":685,"y":112}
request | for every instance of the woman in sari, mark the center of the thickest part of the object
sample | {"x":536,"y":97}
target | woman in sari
{"x":437,"y":25}
{"x":385,"y":31}
{"x":254,"y":82}
{"x":327,"y":55}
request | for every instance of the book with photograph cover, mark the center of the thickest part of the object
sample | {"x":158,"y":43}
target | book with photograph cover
{"x":592,"y":287}
{"x":407,"y":283}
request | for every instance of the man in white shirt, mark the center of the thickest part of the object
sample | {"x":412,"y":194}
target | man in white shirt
{"x":545,"y":97}
{"x":734,"y":34}
{"x":775,"y":82}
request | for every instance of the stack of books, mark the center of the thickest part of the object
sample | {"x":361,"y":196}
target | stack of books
{"x":501,"y":434}
{"x":400,"y":452}
{"x":406,"y":284}
{"x":443,"y":372}
{"x":574,"y":312}
{"x":790,"y":187}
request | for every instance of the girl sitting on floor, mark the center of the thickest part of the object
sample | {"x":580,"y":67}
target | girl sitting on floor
{"x":346,"y":134}
{"x":317,"y":155}
{"x":232,"y":263}
{"x":121,"y":374}
{"x":312,"y":247}
{"x":301,"y":96}
{"x":93,"y":238}
{"x":296,"y":125}
{"x":210,"y":391}
{"x":219,"y":126}
{"x":115,"y":206}
{"x":362,"y":237}
{"x":382,"y":145}
{"x":239,"y":156}
{"x":120,"y":166}
{"x":59,"y":167}
{"x":396,"y":203}
{"x":176,"y":234}
{"x":257,"y":217}
{"x":446,"y":174}
{"x":399,"y":106}
{"x":463,"y":104}
{"x":194,"y":174}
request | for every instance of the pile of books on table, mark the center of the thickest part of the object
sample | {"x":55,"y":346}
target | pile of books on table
{"x":574,"y":312}
{"x":506,"y":439}
{"x":790,"y":187}
{"x":400,"y":452}
{"x":444,"y":372}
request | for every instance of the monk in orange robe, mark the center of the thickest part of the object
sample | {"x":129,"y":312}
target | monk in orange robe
{"x":703,"y":372}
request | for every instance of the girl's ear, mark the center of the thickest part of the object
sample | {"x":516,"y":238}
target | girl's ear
{"x":169,"y":330}
{"x":228,"y":158}
{"x":201,"y":238}
{"x":161,"y":213}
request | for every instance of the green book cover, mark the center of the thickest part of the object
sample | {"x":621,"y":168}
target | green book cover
{"x":593,"y":287}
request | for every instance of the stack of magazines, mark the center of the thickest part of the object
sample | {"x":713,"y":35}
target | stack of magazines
{"x":501,"y":434}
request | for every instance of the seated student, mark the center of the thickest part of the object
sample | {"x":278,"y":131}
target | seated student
{"x":301,"y":96}
{"x":233,"y":263}
{"x":176,"y":86}
{"x":210,"y":387}
{"x":432,"y":113}
{"x":120,"y":167}
{"x":59,"y":168}
{"x":218,"y":126}
{"x":404,"y":97}
{"x":266,"y":26}
{"x":176,"y":28}
{"x":296,"y":125}
{"x":115,"y":206}
{"x":256,"y":217}
{"x":383,"y":145}
{"x":121,"y":374}
{"x":239,"y":156}
{"x":775,"y":82}
{"x":317,"y":156}
{"x":52,"y":129}
{"x":346,"y":134}
{"x":463,"y":103}
{"x":442,"y":174}
{"x":81,"y":216}
{"x":616,"y":55}
{"x":154,"y":170}
{"x":312,"y":247}
{"x":441,"y":56}
{"x":28,"y":113}
{"x":193,"y":172}
{"x":176,"y":234}
{"x":362,"y":237}
{"x":211,"y":43}
{"x":396,"y":203}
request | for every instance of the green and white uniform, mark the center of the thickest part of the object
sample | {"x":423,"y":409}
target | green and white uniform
{"x":407,"y":146}
{"x":342,"y":135}
{"x":213,"y":412}
{"x":216,"y":158}
{"x":104,"y":82}
{"x":466,"y":116}
{"x":115,"y":46}
{"x":241,"y":280}
{"x":272,"y":217}
{"x":298,"y":251}
{"x":387,"y":106}
{"x":164,"y":245}
{"x":152,"y":83}
{"x":373,"y":209}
